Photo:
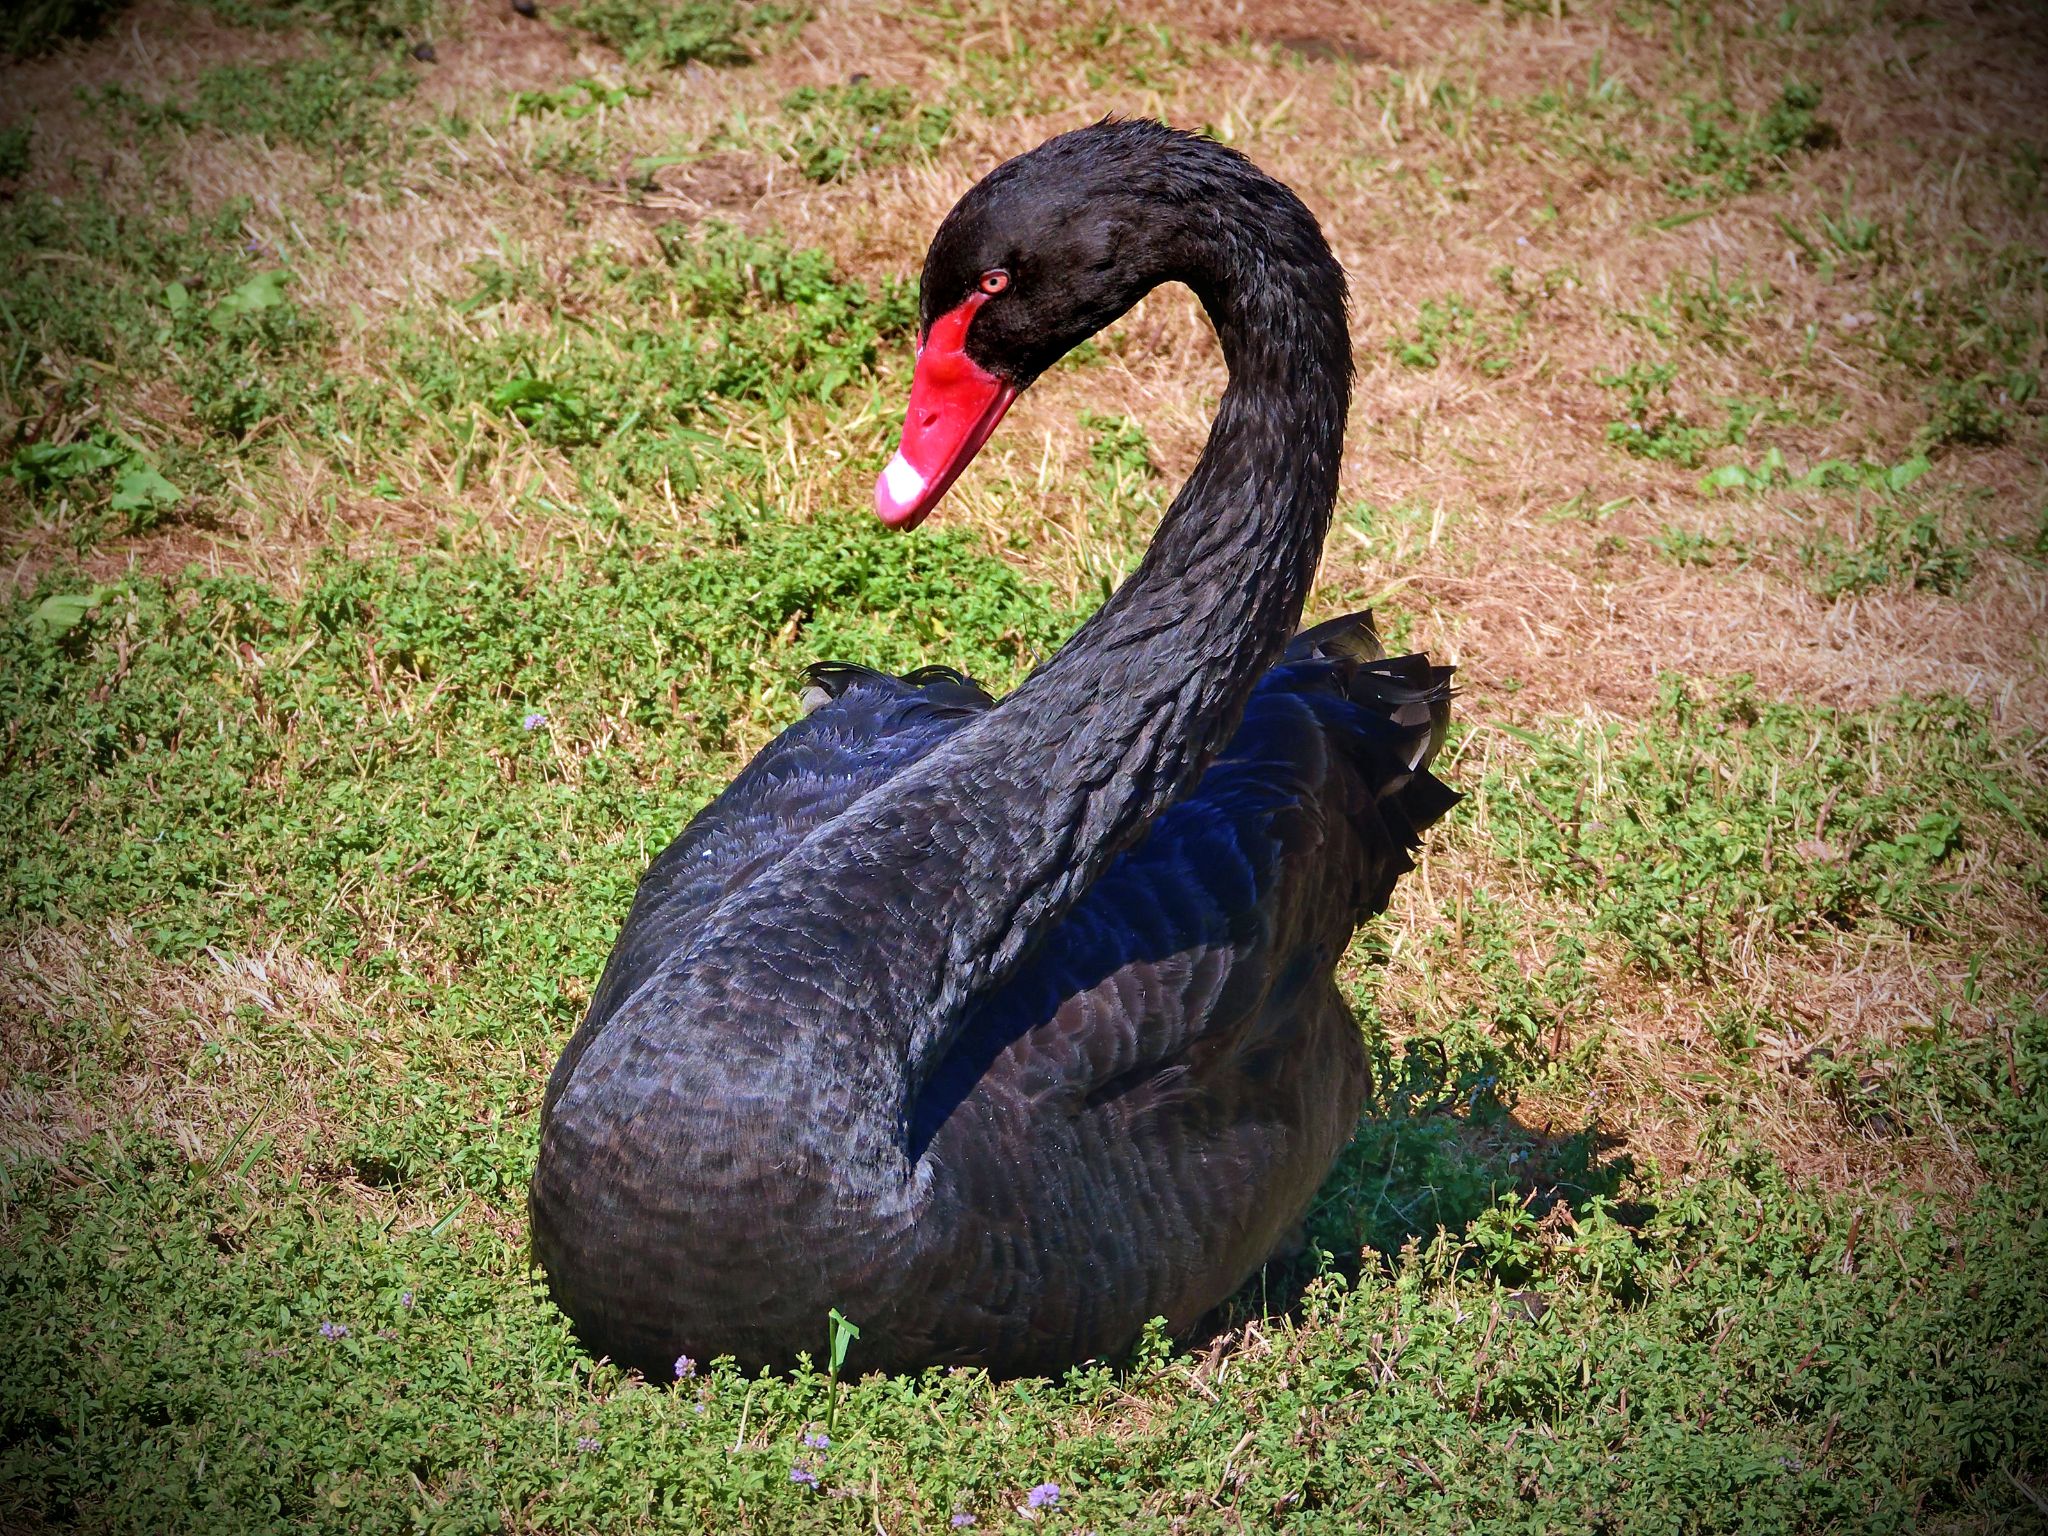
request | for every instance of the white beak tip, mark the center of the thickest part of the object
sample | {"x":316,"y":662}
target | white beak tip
{"x":900,"y":485}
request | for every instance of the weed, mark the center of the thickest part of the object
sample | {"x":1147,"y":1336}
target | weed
{"x":360,"y":21}
{"x":1122,"y":456}
{"x":118,"y":470}
{"x":674,"y":642}
{"x":1653,"y":428}
{"x":840,"y":1336}
{"x":673,"y":33}
{"x":1887,"y":543}
{"x":1887,"y":547}
{"x":724,"y":319}
{"x":1444,"y":325}
{"x":1425,"y":102}
{"x":40,"y":25}
{"x":839,"y":130}
{"x":1826,"y":475}
{"x":14,"y":151}
{"x":1584,"y":119}
{"x":1119,"y":51}
{"x":1729,"y":153}
{"x":177,"y":299}
{"x":1711,"y":311}
{"x":83,"y":282}
{"x":1656,"y":429}
{"x":1991,"y":319}
{"x":577,"y":99}
{"x":240,"y":374}
{"x":1684,"y":546}
{"x":2033,"y":546}
{"x":1394,"y":533}
{"x":1962,"y":412}
{"x":1124,"y":495}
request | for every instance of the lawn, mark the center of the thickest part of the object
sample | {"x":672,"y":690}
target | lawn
{"x":433,"y":439}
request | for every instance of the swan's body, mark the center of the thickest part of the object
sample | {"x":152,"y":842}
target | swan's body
{"x":1007,"y":1028}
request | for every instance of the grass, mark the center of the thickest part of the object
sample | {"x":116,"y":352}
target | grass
{"x":421,"y":486}
{"x":678,"y":32}
{"x":839,"y":130}
{"x":325,"y":103}
{"x":42,"y":25}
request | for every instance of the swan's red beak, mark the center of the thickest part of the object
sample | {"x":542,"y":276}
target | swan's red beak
{"x":954,"y":404}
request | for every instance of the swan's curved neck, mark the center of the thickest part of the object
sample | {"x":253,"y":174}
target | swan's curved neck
{"x":891,"y":919}
{"x":1121,"y":722}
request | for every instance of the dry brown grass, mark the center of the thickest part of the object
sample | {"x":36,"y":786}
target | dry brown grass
{"x":224,"y":1057}
{"x":174,"y":1030}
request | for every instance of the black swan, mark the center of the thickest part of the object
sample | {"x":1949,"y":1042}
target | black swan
{"x":1007,"y":1027}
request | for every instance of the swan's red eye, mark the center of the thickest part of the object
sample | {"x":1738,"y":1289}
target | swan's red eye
{"x":995,"y":282}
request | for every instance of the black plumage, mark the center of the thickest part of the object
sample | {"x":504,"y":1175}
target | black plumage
{"x":1006,"y":1027}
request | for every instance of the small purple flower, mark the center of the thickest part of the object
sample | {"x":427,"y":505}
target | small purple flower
{"x":803,"y":1476}
{"x":820,"y":1441}
{"x":534,"y":720}
{"x":405,"y":1300}
{"x":1044,"y":1496}
{"x":960,"y":1522}
{"x":333,"y":1330}
{"x":685,"y":1366}
{"x":588,"y":1442}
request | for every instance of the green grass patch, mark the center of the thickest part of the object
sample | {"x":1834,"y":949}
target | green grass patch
{"x":1450,"y":326}
{"x":441,"y":776}
{"x":577,"y":99}
{"x":1688,"y":546}
{"x":724,"y":320}
{"x":1886,"y":546}
{"x":361,"y":21}
{"x":672,"y":33}
{"x":99,"y":303}
{"x":15,"y":151}
{"x":1124,"y":483}
{"x":1976,"y":412}
{"x":1730,"y":152}
{"x":836,"y":131}
{"x":311,"y":785}
{"x":1653,"y":427}
{"x":1992,"y":315}
{"x":87,"y":283}
{"x":1724,"y":811}
{"x":1710,"y":311}
{"x":1596,"y":118}
{"x":1892,"y":537}
{"x":332,"y":103}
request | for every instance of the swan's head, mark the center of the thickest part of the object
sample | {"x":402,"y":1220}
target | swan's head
{"x":1041,"y":253}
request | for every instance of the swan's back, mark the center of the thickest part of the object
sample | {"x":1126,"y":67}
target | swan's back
{"x":862,"y":727}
